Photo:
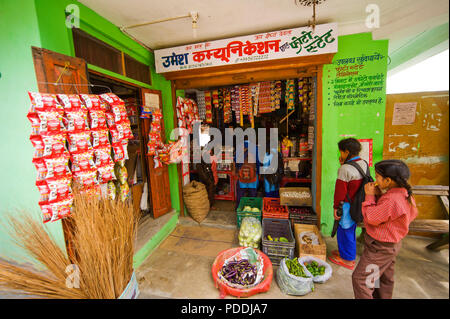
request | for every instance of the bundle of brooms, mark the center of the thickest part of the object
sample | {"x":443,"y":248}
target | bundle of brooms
{"x":103,"y":239}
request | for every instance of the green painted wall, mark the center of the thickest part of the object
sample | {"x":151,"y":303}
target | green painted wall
{"x":57,"y":37}
{"x":18,"y":174}
{"x":361,"y":121}
{"x":41,"y":23}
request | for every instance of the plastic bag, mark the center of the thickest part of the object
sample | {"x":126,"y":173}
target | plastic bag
{"x":250,"y":232}
{"x":308,"y":238}
{"x":253,"y":258}
{"x":328,"y":270}
{"x":293,"y":285}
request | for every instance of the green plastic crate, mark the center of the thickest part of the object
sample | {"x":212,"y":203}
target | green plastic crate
{"x":252,"y":202}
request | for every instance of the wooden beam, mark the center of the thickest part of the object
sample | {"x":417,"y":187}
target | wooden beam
{"x":318,"y":146}
{"x":179,"y":170}
{"x":214,"y":80}
{"x":289,"y":63}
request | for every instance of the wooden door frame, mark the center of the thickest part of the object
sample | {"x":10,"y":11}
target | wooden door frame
{"x":179,"y":168}
{"x":261,"y":71}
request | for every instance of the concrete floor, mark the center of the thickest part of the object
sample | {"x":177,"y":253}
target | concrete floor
{"x":181,"y":266}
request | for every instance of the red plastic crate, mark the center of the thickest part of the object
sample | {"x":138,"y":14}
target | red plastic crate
{"x":273,"y":209}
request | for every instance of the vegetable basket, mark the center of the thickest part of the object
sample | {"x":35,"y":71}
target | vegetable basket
{"x":273,"y":209}
{"x":224,"y":289}
{"x":252,"y":202}
{"x":277,"y":250}
{"x":302,"y":215}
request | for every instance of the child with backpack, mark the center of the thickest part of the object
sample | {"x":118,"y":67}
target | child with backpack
{"x":352,"y":174}
{"x":386,"y":218}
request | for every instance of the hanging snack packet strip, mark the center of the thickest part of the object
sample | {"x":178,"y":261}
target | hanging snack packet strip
{"x":106,"y":173}
{"x":83,"y":161}
{"x":57,"y":210}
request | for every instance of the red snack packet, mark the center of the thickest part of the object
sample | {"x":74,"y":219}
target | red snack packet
{"x":59,"y":188}
{"x":71,"y":102}
{"x":120,"y":151}
{"x":83,"y":161}
{"x":112,"y":99}
{"x":41,"y":169}
{"x":103,"y":156}
{"x":79,"y":141}
{"x":57,"y":167}
{"x":76,"y":121}
{"x":44,"y":102}
{"x":117,"y":134}
{"x":92,"y":102}
{"x":57,"y":210}
{"x":86,"y":179}
{"x":100,"y":138}
{"x":46,"y":121}
{"x":97,"y":119}
{"x":106,"y":173}
{"x":49,"y":144}
{"x":43,"y":190}
{"x":110,"y":119}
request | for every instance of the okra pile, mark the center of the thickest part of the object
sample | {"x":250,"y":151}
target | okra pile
{"x":295,"y":268}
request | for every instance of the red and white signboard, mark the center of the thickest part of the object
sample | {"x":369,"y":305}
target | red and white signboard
{"x":252,"y":48}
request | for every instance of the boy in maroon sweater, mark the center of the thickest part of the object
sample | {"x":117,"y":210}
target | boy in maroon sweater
{"x":347,"y":184}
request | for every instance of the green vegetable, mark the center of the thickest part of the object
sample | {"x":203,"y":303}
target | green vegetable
{"x":295,"y":268}
{"x":284,"y":239}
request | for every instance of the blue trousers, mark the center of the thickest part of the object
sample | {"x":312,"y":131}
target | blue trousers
{"x":274,"y":194}
{"x":241,"y":192}
{"x":346,"y":239}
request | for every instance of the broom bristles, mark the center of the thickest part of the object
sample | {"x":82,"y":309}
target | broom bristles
{"x":103,"y":239}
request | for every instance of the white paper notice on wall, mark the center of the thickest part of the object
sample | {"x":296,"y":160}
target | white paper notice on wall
{"x":151,"y":100}
{"x":404,"y":113}
{"x":366,"y":150}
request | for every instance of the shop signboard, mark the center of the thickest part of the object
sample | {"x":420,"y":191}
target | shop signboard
{"x":282,"y":44}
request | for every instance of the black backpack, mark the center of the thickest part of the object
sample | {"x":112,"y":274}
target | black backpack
{"x":356,"y":204}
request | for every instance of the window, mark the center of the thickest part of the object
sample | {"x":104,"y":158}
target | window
{"x":100,"y":54}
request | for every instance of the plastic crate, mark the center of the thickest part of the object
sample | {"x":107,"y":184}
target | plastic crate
{"x":252,"y":202}
{"x":305,"y":216}
{"x":269,"y":203}
{"x":274,"y":249}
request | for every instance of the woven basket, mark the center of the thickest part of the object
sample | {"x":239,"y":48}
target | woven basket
{"x":196,"y":200}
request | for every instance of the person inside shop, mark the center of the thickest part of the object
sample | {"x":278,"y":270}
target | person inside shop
{"x":388,"y":209}
{"x":347,"y":184}
{"x":272,"y":180}
{"x":246,"y":172}
{"x":207,"y":174}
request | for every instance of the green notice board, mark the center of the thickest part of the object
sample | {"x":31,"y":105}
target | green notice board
{"x":354,"y":100}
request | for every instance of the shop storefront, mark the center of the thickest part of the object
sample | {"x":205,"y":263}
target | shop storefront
{"x":97,"y":58}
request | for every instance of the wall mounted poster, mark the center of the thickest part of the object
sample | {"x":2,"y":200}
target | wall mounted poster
{"x":282,"y":44}
{"x":366,"y":150}
{"x":404,"y":113}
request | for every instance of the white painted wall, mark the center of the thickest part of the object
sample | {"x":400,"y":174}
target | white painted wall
{"x":429,"y":75}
